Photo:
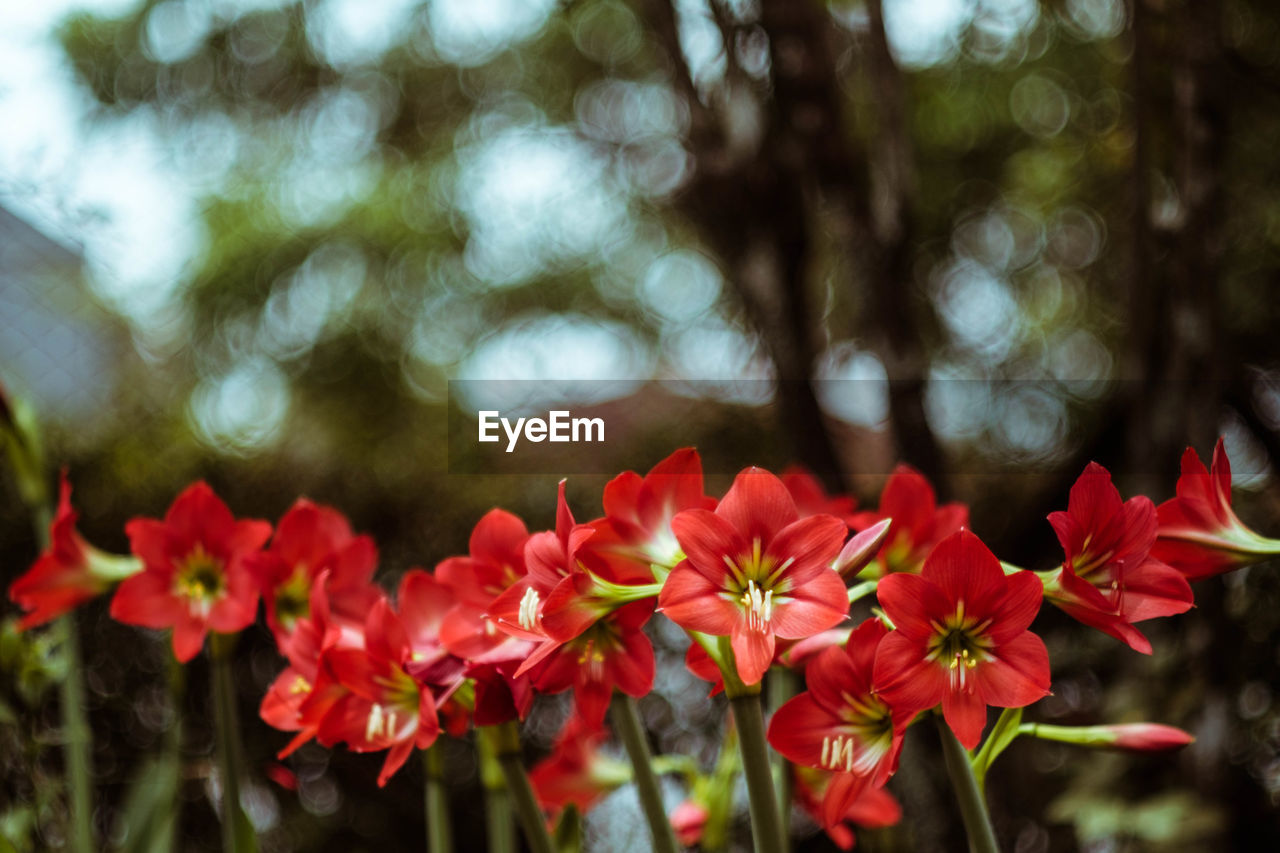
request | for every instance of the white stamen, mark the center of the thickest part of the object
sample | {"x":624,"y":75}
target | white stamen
{"x":374,"y":726}
{"x":529,"y":609}
{"x":759,"y":607}
{"x":838,"y":754}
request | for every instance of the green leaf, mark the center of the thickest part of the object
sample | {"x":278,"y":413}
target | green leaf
{"x":1002,"y":734}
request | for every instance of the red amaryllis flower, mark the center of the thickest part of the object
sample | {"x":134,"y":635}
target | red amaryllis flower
{"x":812,"y":499}
{"x":1109,"y":580}
{"x":576,"y":772}
{"x":1200,"y":534}
{"x":311,"y":539}
{"x":495,"y":562}
{"x":961,"y":637}
{"x":918,"y":522}
{"x":612,"y":653}
{"x":871,"y":808}
{"x":69,"y":572}
{"x":756,"y":571}
{"x":840,"y":723}
{"x":550,"y":557}
{"x":638,"y":510}
{"x":194,"y":576}
{"x":386,"y":707}
{"x":569,"y":589}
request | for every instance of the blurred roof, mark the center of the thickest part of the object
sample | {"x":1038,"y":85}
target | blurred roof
{"x":58,"y":346}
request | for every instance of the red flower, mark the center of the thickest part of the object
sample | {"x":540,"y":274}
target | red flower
{"x":311,"y":539}
{"x":69,"y":572}
{"x":918,"y":522}
{"x":1199,"y":533}
{"x":812,"y":499}
{"x":612,"y":653}
{"x":550,"y":558}
{"x":756,"y":571}
{"x":386,"y":707}
{"x":194,"y":576}
{"x":819,"y":792}
{"x":961,"y":637}
{"x":1109,"y":579}
{"x":638,"y":510}
{"x":576,"y":773}
{"x":306,"y":690}
{"x":570,"y":590}
{"x":495,"y":562}
{"x":840,"y":723}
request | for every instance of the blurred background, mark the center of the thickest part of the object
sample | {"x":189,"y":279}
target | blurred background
{"x":251,"y":241}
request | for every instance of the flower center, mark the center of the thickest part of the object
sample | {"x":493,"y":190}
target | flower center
{"x":759,"y":607}
{"x":292,"y":599}
{"x":960,"y":642}
{"x":529,"y":609}
{"x":871,"y":735}
{"x":200,"y":579}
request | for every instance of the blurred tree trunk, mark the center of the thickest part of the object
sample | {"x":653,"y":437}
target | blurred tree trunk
{"x":767,"y":159}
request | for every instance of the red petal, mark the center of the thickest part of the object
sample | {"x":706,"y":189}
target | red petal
{"x":146,"y":599}
{"x":758,"y":505}
{"x":1024,"y":592}
{"x":384,"y":634}
{"x":188,"y":637}
{"x":423,"y":603}
{"x":498,"y":538}
{"x":1153,"y":589}
{"x":905,"y":680}
{"x":632,"y":666}
{"x":821,"y":603}
{"x":966,"y":714}
{"x":396,"y":757}
{"x":1018,"y":676}
{"x":798,"y":728}
{"x":697,"y":604}
{"x":966,"y":570}
{"x":707,"y":539}
{"x":812,"y":545}
{"x":753,"y":651}
{"x":147,"y":542}
{"x":911,"y":602}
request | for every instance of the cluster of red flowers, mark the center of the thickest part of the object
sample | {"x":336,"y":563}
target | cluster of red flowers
{"x":759,"y":578}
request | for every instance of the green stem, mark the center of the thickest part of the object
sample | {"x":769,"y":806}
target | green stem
{"x":439,"y":836}
{"x":861,"y":590}
{"x":509,"y":759}
{"x":782,"y":686}
{"x":765,"y":826}
{"x":497,"y":821}
{"x":228,"y":743}
{"x":499,"y":827}
{"x":77,"y":738}
{"x":977,"y":822}
{"x":626,"y":720}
